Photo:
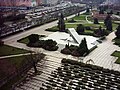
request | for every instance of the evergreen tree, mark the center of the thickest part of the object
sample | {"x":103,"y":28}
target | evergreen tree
{"x":111,"y":12}
{"x":117,"y":33}
{"x":80,"y":28}
{"x":87,"y":10}
{"x":118,"y":13}
{"x":108,"y":23}
{"x":101,"y":10}
{"x":96,"y":21}
{"x":61,"y":23}
{"x":82,"y":49}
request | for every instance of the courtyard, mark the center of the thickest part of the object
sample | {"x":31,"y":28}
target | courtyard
{"x":101,"y":56}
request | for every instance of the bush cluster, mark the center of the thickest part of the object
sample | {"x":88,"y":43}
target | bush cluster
{"x":46,"y":44}
{"x":80,"y":50}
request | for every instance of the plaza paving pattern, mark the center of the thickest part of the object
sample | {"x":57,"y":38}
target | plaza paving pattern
{"x":100,"y":56}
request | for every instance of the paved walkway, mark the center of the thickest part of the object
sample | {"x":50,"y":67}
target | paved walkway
{"x":17,"y":55}
{"x":102,"y":55}
{"x":90,"y":21}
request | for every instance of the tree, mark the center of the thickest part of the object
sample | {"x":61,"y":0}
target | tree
{"x":118,"y":13}
{"x":111,"y":12}
{"x":80,"y":28}
{"x":61,"y":23}
{"x":108,"y":23}
{"x":101,"y":10}
{"x":87,"y":10}
{"x":82,"y":49}
{"x":33,"y":38}
{"x":96,"y":21}
{"x":35,"y":58}
{"x":117,"y":33}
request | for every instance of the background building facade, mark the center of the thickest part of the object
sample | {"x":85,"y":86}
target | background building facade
{"x":49,"y":2}
{"x":20,"y":2}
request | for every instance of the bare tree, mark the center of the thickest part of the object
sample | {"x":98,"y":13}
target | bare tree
{"x":35,"y":58}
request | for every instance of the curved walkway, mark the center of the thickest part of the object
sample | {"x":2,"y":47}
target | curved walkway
{"x":90,"y":21}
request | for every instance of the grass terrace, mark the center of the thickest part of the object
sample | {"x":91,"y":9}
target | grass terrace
{"x":6,"y":50}
{"x":15,"y":65}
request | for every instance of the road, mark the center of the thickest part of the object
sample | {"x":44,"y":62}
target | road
{"x":37,"y":30}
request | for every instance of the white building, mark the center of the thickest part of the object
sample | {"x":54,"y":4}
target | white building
{"x":49,"y":2}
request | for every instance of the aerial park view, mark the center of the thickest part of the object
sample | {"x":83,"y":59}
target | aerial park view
{"x":59,"y":45}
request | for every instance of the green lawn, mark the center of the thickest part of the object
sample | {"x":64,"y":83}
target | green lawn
{"x":24,"y":40}
{"x":71,"y":26}
{"x":116,"y":54}
{"x":11,"y":64}
{"x":116,"y":41}
{"x":94,"y":26}
{"x":53,"y":29}
{"x":81,"y":17}
{"x":18,"y":61}
{"x":114,"y":26}
{"x":8,"y":50}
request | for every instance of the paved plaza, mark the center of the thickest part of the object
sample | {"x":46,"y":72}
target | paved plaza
{"x":101,"y":56}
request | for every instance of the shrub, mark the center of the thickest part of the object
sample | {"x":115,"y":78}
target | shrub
{"x":66,"y":51}
{"x":75,"y":53}
{"x":50,"y":45}
{"x":117,"y":33}
{"x":33,"y":38}
{"x":72,"y":48}
{"x":80,"y":28}
{"x":101,"y":32}
{"x":88,"y":28}
{"x":71,"y":21}
{"x":96,"y":21}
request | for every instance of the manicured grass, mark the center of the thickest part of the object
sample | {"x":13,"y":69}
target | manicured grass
{"x":71,"y":25}
{"x":24,"y":40}
{"x":116,"y":54}
{"x":95,"y":25}
{"x":114,"y":26}
{"x":118,"y":61}
{"x":8,"y":50}
{"x":18,"y":61}
{"x":81,"y":17}
{"x":53,"y":29}
{"x":116,"y":41}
